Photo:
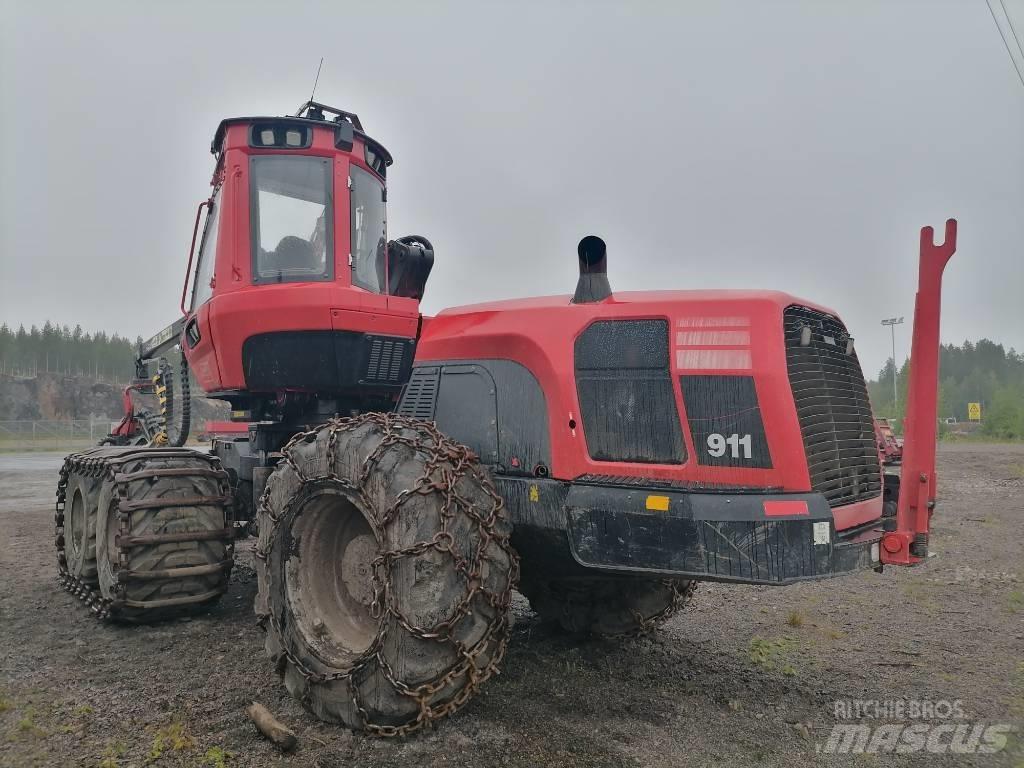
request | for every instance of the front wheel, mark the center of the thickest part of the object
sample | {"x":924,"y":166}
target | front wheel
{"x":385,"y":573}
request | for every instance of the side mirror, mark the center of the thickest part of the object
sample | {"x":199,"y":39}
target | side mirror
{"x":410,"y":260}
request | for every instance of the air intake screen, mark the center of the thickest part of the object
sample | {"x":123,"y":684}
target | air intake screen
{"x":833,"y":409}
{"x":627,"y":404}
{"x":385,"y":360}
{"x":420,"y":395}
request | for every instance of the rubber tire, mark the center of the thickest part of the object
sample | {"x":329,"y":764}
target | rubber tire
{"x":607,"y":607}
{"x":168,"y":555}
{"x":426,"y":586}
{"x":80,"y":548}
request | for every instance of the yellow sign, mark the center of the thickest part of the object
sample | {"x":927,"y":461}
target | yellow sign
{"x":974,"y":411}
{"x":657,"y":503}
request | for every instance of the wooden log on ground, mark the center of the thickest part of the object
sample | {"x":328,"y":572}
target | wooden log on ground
{"x":271,"y":727}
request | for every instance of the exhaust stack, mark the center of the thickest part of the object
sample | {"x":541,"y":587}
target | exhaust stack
{"x":593,"y":283}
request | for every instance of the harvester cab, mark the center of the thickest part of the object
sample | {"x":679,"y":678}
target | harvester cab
{"x":621,"y":446}
{"x":299,"y":304}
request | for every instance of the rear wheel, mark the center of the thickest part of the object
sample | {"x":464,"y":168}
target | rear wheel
{"x":164,"y":539}
{"x":607,"y":607}
{"x":385,"y":573}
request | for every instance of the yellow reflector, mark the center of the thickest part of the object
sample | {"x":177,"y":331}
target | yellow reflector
{"x":657,"y":503}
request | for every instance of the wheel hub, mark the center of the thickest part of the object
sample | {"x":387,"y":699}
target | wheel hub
{"x":76,"y":522}
{"x":329,"y":578}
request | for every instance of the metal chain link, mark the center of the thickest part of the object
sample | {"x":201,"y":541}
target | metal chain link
{"x":446,"y":463}
{"x":679,"y":599}
{"x":582,"y":593}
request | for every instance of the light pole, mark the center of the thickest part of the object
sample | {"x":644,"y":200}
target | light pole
{"x":892,"y":322}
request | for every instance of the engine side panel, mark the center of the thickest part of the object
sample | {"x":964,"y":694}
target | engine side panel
{"x":718,"y":360}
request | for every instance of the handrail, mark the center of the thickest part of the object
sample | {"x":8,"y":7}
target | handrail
{"x":192,"y":251}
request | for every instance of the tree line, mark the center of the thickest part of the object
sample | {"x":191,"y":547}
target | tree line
{"x":68,"y":351}
{"x":982,"y":372}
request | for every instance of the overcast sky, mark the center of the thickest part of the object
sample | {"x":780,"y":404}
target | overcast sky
{"x":796,"y":146}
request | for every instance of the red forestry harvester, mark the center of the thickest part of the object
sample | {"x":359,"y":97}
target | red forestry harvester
{"x":619,"y":447}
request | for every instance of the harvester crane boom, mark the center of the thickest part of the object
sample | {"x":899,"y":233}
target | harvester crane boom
{"x":908,"y":544}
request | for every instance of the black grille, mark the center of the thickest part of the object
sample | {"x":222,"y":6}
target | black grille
{"x":627,"y":404}
{"x":420,"y":393}
{"x":833,"y":409}
{"x":385,"y":360}
{"x":325,"y":361}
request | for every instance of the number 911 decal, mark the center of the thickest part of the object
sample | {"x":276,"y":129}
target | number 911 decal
{"x":725,"y":421}
{"x":719,"y":444}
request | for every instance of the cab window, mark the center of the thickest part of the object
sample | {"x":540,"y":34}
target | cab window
{"x":292,"y":227}
{"x":369,"y":231}
{"x":202,"y":290}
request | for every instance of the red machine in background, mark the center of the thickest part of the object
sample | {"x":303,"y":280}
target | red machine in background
{"x":621,"y":446}
{"x":890,"y":451}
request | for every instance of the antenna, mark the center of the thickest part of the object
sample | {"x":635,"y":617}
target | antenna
{"x":317,"y":80}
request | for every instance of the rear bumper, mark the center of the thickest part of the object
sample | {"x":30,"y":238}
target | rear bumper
{"x":771,"y":538}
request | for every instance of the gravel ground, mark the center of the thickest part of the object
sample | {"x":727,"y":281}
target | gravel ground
{"x":746,"y":675}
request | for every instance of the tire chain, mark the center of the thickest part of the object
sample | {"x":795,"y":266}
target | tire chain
{"x":679,"y":599}
{"x":643,"y":624}
{"x":438,"y":448}
{"x":98,"y":463}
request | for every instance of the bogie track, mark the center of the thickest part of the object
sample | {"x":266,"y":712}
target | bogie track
{"x":143,"y":534}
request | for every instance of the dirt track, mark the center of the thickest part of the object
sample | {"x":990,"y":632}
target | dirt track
{"x":745,"y":676}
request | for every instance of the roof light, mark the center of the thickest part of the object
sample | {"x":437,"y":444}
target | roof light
{"x":278,"y":135}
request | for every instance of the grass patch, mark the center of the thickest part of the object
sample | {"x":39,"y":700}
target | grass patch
{"x":5,"y":705}
{"x":1015,"y":600}
{"x":951,"y":437}
{"x":766,"y":653}
{"x":112,"y":755}
{"x":27,"y":724}
{"x":173,"y":737}
{"x":216,"y":757}
{"x":795,"y":619}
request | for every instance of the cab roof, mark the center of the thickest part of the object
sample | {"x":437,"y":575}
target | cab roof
{"x":311,"y":113}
